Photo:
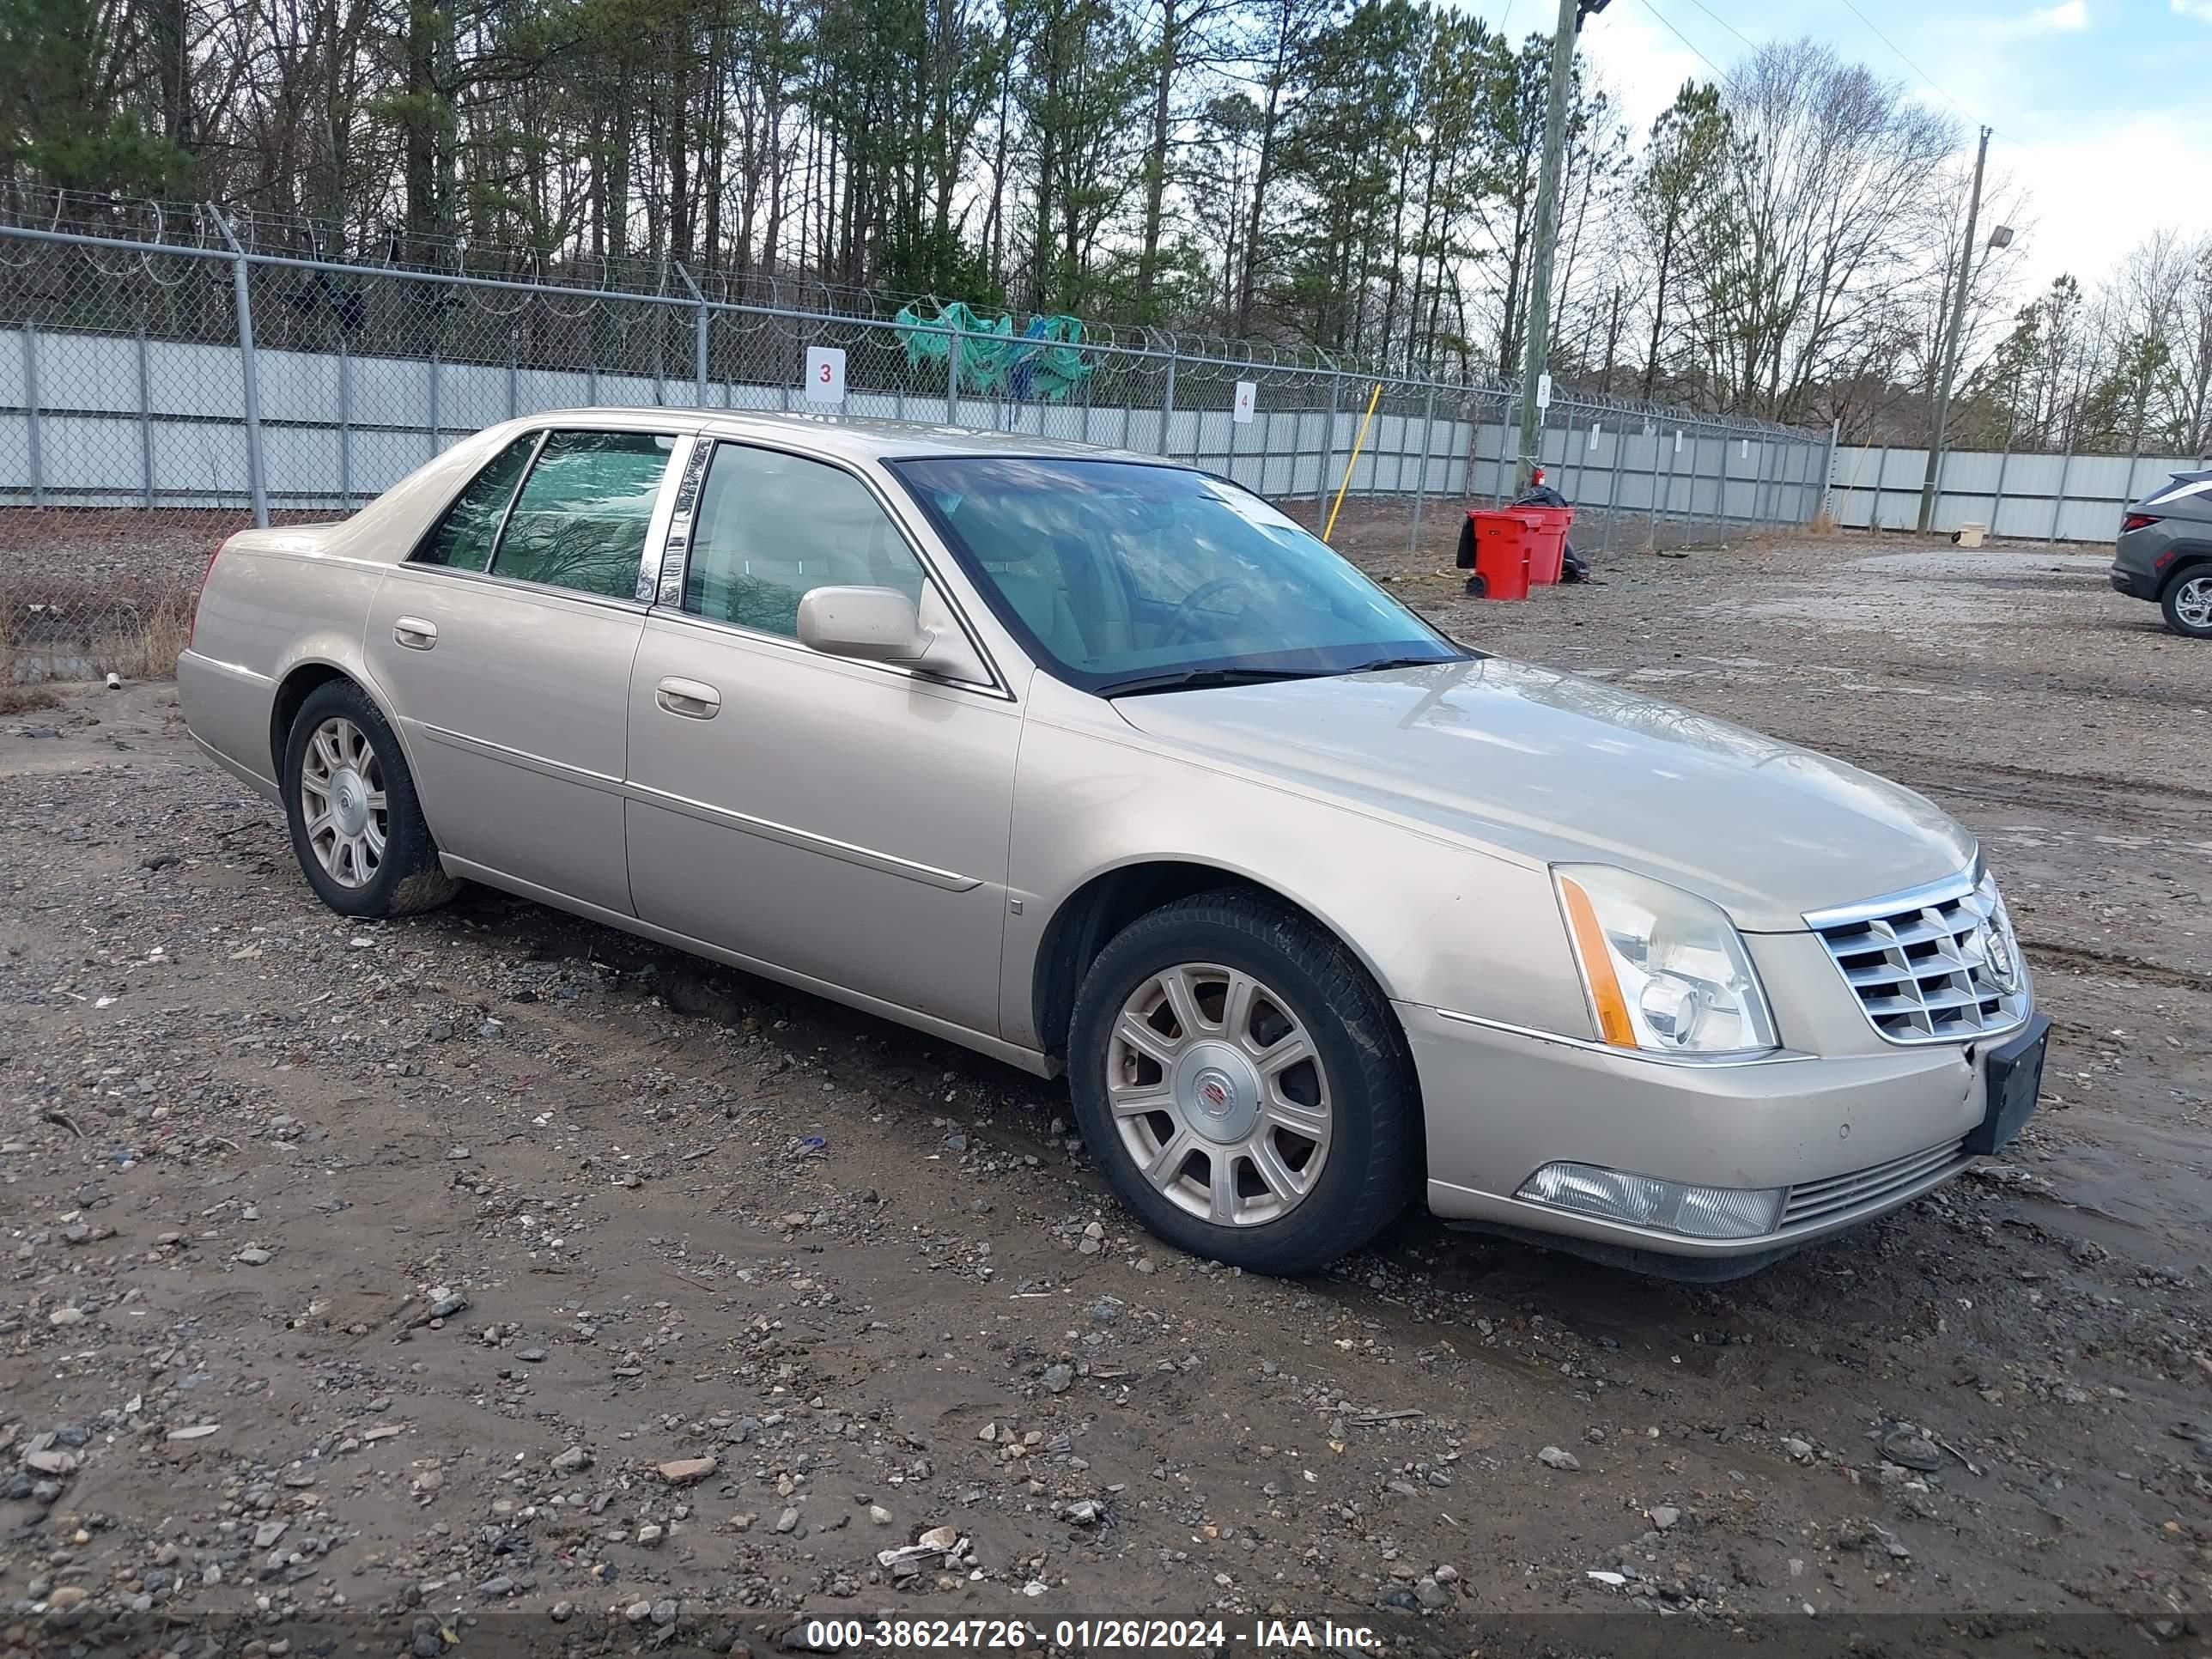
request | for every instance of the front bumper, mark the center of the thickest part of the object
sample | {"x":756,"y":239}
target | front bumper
{"x":1853,"y":1136}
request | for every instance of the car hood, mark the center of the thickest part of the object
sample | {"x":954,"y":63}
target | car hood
{"x":1554,"y":767}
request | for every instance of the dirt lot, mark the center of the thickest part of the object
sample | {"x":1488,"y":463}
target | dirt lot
{"x":493,"y":1275}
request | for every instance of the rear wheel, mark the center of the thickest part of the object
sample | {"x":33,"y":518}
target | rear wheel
{"x":357,"y":829}
{"x":2187,"y":603}
{"x":1244,"y":1085}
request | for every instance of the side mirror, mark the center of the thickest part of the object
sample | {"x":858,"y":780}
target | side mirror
{"x":881,"y":624}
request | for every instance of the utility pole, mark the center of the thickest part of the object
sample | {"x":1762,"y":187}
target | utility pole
{"x":1572,"y":13}
{"x":1950,"y":359}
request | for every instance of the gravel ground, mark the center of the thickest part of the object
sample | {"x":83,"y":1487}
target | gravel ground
{"x":492,"y":1270}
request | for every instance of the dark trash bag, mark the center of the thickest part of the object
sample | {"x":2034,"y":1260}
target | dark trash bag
{"x":1539,"y":494}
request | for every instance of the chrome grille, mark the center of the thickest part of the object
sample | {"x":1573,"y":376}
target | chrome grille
{"x":1937,"y":965}
{"x":1816,"y":1201}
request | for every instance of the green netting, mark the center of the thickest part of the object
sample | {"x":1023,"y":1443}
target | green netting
{"x":1040,"y":364}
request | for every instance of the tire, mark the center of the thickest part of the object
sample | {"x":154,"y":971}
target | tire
{"x":1355,"y":1103}
{"x":2187,"y":603}
{"x":339,"y":750}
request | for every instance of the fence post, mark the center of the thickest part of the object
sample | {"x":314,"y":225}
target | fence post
{"x":1167,"y":403}
{"x":1828,"y":471}
{"x":249,"y":374}
{"x":2058,"y":498}
{"x":345,"y":424}
{"x":514,"y":378}
{"x":952,"y":379}
{"x":30,"y":412}
{"x":436,"y":414}
{"x":2004,"y":463}
{"x":1651,"y":495}
{"x":145,"y":420}
{"x":698,"y":332}
{"x":1880,"y":470}
{"x":1612,"y":487}
{"x":1327,"y":442}
{"x":1421,"y":481}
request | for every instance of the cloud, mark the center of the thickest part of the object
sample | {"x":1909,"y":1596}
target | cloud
{"x":2200,"y":9}
{"x":2071,"y":14}
{"x":2098,"y":188}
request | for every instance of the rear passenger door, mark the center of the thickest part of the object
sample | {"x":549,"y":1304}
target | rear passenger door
{"x":505,"y":646}
{"x":845,"y":822}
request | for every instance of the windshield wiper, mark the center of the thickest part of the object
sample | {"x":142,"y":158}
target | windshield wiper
{"x":1196,"y":679}
{"x":1381,"y":663}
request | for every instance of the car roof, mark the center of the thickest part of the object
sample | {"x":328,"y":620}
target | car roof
{"x":852,"y":437}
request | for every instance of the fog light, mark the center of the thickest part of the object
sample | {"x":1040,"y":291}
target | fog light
{"x":1647,"y":1201}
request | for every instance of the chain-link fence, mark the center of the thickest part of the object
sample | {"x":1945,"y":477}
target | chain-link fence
{"x":154,"y":396}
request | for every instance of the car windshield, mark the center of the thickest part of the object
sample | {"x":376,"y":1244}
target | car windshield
{"x":1127,"y":577}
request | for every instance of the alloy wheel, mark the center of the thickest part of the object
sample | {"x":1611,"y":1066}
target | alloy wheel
{"x":2193,"y":603}
{"x":342,"y":802}
{"x":1219,"y":1094}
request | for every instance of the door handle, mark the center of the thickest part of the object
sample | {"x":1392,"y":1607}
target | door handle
{"x":414,"y":633}
{"x":694,"y":699}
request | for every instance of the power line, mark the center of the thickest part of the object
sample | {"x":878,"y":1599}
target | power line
{"x":1683,"y":38}
{"x":1723,"y":21}
{"x":1925,"y":75}
{"x":1902,"y":58}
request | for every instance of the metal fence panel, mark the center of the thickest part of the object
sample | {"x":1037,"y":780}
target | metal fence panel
{"x":2066,"y":497}
{"x":154,"y":396}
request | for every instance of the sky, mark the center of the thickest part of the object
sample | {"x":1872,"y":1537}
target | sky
{"x":2102,"y":108}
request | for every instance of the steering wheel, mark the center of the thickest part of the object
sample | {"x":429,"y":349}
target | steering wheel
{"x":1179,"y":627}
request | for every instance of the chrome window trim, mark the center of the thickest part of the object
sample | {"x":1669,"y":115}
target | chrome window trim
{"x":647,"y":588}
{"x":676,"y":555}
{"x":673,"y":574}
{"x":1695,"y":1062}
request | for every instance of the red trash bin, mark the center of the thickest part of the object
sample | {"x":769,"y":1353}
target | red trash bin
{"x":1547,"y":553}
{"x":1502,"y":540}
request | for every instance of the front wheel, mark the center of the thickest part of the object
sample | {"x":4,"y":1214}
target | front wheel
{"x":2187,"y":603}
{"x":357,"y":829}
{"x":1244,"y":1085}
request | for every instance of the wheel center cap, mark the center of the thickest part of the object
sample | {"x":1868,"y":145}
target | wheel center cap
{"x":349,"y":801}
{"x":1219,"y":1091}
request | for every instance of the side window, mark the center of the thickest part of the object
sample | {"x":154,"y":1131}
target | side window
{"x":464,"y":536}
{"x":580,"y":518}
{"x":770,"y":526}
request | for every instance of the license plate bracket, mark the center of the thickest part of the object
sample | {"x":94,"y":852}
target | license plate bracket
{"x":2014,"y":1078}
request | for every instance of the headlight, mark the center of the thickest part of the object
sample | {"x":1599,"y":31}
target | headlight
{"x":1666,"y":971}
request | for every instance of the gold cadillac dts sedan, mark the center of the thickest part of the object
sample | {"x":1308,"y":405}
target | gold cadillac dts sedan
{"x":1102,"y":765}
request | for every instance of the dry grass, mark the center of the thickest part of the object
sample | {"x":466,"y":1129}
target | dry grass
{"x":149,"y":650}
{"x":22,"y":699}
{"x":1820,"y":524}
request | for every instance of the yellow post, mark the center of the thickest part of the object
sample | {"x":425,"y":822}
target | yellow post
{"x":1358,"y":444}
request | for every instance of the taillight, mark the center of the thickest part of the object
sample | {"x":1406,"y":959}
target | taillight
{"x":200,"y":598}
{"x":2137,"y":521}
